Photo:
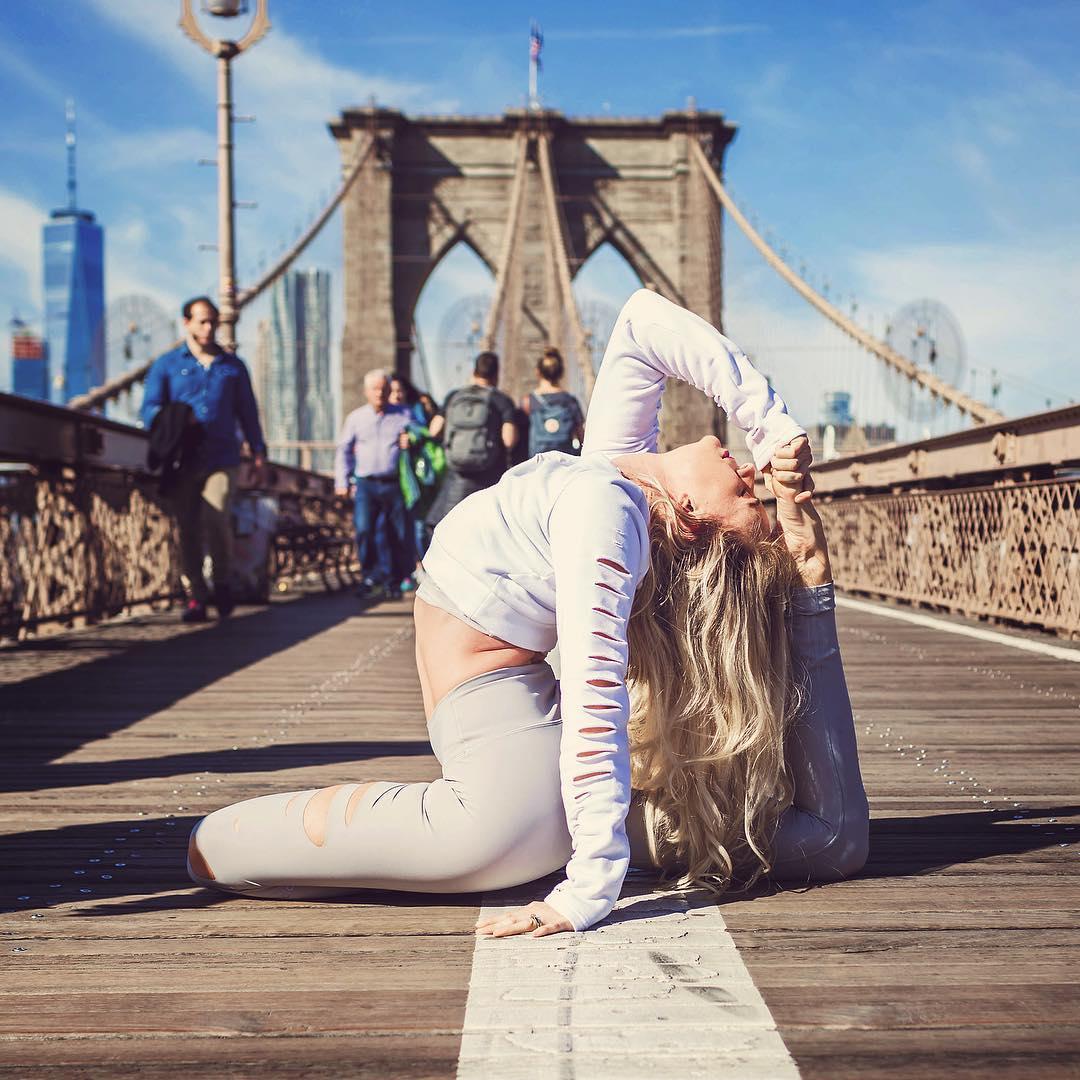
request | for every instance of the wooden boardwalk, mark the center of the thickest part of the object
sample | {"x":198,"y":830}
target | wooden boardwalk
{"x":957,"y":952}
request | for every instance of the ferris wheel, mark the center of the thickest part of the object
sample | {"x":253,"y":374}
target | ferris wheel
{"x":137,"y":329}
{"x":927,"y":333}
{"x":461,"y":331}
{"x":598,"y":316}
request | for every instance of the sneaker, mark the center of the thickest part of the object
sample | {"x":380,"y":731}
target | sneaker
{"x":371,"y":590}
{"x":223,"y":601}
{"x":194,"y":612}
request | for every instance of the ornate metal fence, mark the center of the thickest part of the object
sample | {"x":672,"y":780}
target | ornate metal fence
{"x":1007,"y":552}
{"x":984,"y":523}
{"x":81,"y":545}
{"x":85,"y":534}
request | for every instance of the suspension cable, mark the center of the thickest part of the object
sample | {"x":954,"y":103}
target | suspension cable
{"x":982,"y":414}
{"x":247,"y":295}
{"x":561,"y":241}
{"x":509,"y":244}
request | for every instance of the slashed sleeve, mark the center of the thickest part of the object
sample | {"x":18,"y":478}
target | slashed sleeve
{"x":654,"y":340}
{"x":599,"y":557}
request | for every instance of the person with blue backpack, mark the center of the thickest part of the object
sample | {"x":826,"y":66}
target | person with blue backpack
{"x":556,"y":421}
{"x":478,"y":435}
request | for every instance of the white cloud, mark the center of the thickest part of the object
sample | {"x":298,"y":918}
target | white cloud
{"x":20,"y":226}
{"x":288,"y":154}
{"x":147,"y":150}
{"x":601,"y":33}
{"x":1007,"y":297}
{"x":153,"y":23}
{"x":974,"y":161}
{"x":767,"y":98}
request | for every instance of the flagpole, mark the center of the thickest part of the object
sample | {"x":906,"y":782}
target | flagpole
{"x":536,"y":41}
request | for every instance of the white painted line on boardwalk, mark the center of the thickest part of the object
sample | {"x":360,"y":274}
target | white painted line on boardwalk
{"x":1057,"y":651}
{"x":658,"y":989}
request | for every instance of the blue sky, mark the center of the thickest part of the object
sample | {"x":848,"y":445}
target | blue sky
{"x":900,"y":152}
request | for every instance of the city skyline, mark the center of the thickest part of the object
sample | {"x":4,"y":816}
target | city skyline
{"x":925,"y":151}
{"x":294,"y":367}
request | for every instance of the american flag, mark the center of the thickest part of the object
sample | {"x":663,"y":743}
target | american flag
{"x":536,"y":43}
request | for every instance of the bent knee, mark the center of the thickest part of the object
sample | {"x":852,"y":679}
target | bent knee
{"x":219,"y":853}
{"x":199,"y":870}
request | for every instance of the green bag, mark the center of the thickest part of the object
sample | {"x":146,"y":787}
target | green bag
{"x":420,"y":468}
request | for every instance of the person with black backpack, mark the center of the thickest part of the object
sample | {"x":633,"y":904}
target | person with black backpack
{"x":478,"y":433}
{"x":556,"y":421}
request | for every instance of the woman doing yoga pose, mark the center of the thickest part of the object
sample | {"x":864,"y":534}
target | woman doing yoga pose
{"x":700,"y":723}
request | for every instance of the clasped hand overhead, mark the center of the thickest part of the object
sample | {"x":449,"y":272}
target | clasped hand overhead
{"x":797,"y":520}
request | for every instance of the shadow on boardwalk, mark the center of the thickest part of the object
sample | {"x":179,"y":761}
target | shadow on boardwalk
{"x":37,"y":863}
{"x":49,"y":715}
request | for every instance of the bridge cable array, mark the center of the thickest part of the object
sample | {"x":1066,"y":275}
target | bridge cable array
{"x":560,"y":240}
{"x":510,"y":240}
{"x":563,"y":325}
{"x":980,"y":413}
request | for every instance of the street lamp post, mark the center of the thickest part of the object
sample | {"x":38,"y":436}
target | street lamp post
{"x":224,"y":51}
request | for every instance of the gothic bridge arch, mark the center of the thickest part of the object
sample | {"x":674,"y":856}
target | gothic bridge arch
{"x":437,"y":181}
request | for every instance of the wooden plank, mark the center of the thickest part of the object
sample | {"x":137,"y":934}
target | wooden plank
{"x":955,"y":953}
{"x":109,"y":763}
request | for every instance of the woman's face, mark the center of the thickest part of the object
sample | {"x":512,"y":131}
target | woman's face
{"x":397,"y":393}
{"x":704,"y":479}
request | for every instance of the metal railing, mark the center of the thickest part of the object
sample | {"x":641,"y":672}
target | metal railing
{"x":86,"y":535}
{"x":983,"y":523}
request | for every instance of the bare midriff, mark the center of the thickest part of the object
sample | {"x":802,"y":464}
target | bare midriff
{"x":449,"y":652}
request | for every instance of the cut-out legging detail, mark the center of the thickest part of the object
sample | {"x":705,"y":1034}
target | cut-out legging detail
{"x":494,"y":819}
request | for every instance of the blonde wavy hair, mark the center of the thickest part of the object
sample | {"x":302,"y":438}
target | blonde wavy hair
{"x":712,"y":696}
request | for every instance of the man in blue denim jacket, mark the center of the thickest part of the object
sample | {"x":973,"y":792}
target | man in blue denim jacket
{"x":216,"y":385}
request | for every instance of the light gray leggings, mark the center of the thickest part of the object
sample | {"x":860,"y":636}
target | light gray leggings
{"x":493,"y":820}
{"x":496,"y":817}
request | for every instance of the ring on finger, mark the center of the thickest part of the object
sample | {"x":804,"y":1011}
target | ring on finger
{"x":536,"y":921}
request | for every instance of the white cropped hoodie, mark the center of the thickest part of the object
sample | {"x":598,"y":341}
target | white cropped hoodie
{"x":557,"y":548}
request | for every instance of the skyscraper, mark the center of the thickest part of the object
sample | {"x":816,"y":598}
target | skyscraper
{"x":260,"y":368}
{"x":298,"y":403}
{"x":29,"y":362}
{"x":74,"y":249}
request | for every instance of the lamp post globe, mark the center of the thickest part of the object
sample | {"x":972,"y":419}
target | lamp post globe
{"x":224,"y":52}
{"x":225,"y":9}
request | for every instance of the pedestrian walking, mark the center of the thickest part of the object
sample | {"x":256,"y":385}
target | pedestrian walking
{"x":366,"y":465}
{"x":556,"y":421}
{"x":215,"y":386}
{"x":421,"y":467}
{"x":478,"y":434}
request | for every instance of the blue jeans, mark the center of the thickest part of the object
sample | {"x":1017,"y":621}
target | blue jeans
{"x":382,"y":543}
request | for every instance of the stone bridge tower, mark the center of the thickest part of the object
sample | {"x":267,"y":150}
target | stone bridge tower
{"x":436,"y":181}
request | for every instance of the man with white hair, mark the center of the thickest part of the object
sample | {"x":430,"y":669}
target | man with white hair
{"x":366,"y":462}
